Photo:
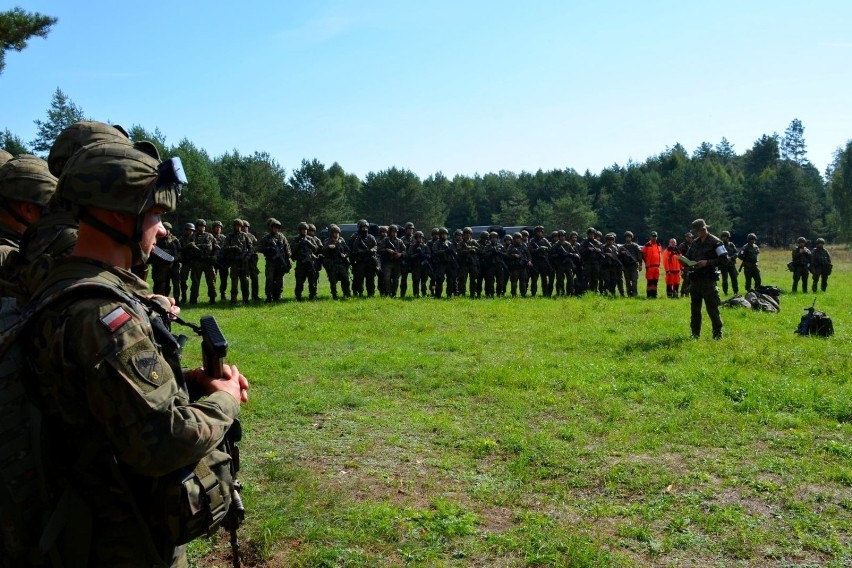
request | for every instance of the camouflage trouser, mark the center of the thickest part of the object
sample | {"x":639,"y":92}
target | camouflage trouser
{"x":273,"y":288}
{"x":160,"y":276}
{"x":730,"y":271}
{"x":338,"y":274}
{"x":405,"y":270}
{"x":305,"y":271}
{"x":631,"y":279}
{"x":820,"y":272}
{"x":752,"y":272}
{"x":391,"y":272}
{"x":364,"y":275}
{"x":469,"y":273}
{"x":542,"y":270}
{"x":704,"y":290}
{"x":419,"y":275}
{"x":222,"y":270}
{"x":592,"y":274}
{"x":185,"y":270}
{"x":686,"y":276}
{"x":800,"y":271}
{"x":518,"y":274}
{"x":239,"y":279}
{"x":443,"y":271}
{"x":610,"y":278}
{"x":564,"y":274}
{"x":204,"y":267}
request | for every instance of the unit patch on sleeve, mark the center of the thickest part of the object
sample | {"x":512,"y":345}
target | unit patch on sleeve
{"x":115,"y":319}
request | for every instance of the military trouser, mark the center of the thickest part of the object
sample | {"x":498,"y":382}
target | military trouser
{"x":204,"y":267}
{"x":592,"y":274}
{"x":274,"y":286}
{"x":800,"y":271}
{"x":729,"y":271}
{"x":752,"y":272}
{"x":239,"y":279}
{"x":338,"y":273}
{"x":631,"y":280}
{"x":564,"y":274}
{"x":518,"y":275}
{"x":160,"y":275}
{"x":391,"y":272}
{"x":364,"y":276}
{"x":419,"y":275}
{"x":469,"y":279}
{"x":185,"y":271}
{"x":705,"y":290}
{"x":404,"y":271}
{"x":687,"y":279}
{"x":222,"y":269}
{"x":443,"y":272}
{"x":543,"y":271}
{"x":305,"y":272}
{"x":253,"y":274}
{"x":820,"y":273}
{"x":609,"y":279}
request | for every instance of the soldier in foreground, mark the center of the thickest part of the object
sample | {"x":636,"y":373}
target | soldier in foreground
{"x":710,"y":254}
{"x":119,"y":430}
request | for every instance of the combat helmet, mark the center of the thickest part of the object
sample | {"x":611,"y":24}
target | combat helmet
{"x":443,"y":231}
{"x":493,"y":234}
{"x":4,"y":156}
{"x":418,"y":234}
{"x":190,"y":226}
{"x":393,"y":229}
{"x":333,"y":228}
{"x":628,"y":234}
{"x":167,"y":226}
{"x":467,"y":231}
{"x":273,"y":222}
{"x":235,"y":222}
{"x":409,"y":225}
{"x":200,"y":223}
{"x":301,"y":226}
{"x":725,"y":234}
{"x":127,"y":179}
{"x":751,"y":237}
{"x":26,"y":178}
{"x":517,"y":236}
{"x":79,"y":134}
{"x":820,"y":241}
{"x":801,"y":240}
{"x":363,"y":223}
{"x":312,"y":227}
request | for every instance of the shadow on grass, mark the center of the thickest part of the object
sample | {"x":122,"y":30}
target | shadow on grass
{"x":651,"y":344}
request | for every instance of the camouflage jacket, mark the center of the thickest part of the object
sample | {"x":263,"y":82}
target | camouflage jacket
{"x":802,"y":256}
{"x":274,"y":244}
{"x":362,"y":247}
{"x":171,"y":245}
{"x":749,"y":253}
{"x":335,"y":253}
{"x":235,"y":247}
{"x":207,"y":245}
{"x":107,"y":390}
{"x":820,"y":258}
{"x":539,"y":249}
{"x":305,"y":249}
{"x":711,"y":249}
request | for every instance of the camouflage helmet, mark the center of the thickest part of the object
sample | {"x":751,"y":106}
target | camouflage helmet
{"x":458,"y":232}
{"x":628,"y":234}
{"x":726,"y":234}
{"x":409,"y":225}
{"x":190,"y":226}
{"x":435,"y":230}
{"x":493,"y":234}
{"x":507,"y":237}
{"x":383,"y":228}
{"x":167,"y":225}
{"x":560,"y":233}
{"x":517,"y":236}
{"x":538,"y":228}
{"x":217,"y":224}
{"x":820,"y":241}
{"x":333,"y":228}
{"x":246,"y":224}
{"x":751,"y":237}
{"x":418,"y":234}
{"x":26,"y":178}
{"x":524,"y":233}
{"x":80,"y":134}
{"x":590,"y":230}
{"x":302,"y":225}
{"x":273,"y":222}
{"x":200,"y":223}
{"x":237,"y":222}
{"x":363,"y":223}
{"x":4,"y":156}
{"x":573,"y":234}
{"x":801,"y":240}
{"x":393,"y":228}
{"x":610,"y":236}
{"x":312,"y":227}
{"x":483,"y":235}
{"x":443,"y":231}
{"x":467,"y":231}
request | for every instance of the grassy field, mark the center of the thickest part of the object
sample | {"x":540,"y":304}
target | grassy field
{"x":541,"y":432}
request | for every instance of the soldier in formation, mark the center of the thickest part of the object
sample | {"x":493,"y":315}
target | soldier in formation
{"x":276,"y":249}
{"x":335,"y":254}
{"x":306,"y":252}
{"x":166,"y":273}
{"x":234,"y":253}
{"x":630,"y":254}
{"x":391,"y":252}
{"x":205,"y":253}
{"x":364,"y":257}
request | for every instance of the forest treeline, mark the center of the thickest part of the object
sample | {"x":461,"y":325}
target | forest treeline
{"x":770,"y":189}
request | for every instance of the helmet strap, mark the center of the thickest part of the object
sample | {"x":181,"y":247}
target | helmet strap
{"x":133,"y":242}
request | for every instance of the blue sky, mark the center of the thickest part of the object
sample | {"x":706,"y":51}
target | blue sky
{"x":459,"y":87}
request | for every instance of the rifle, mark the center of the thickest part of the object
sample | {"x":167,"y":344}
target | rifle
{"x":214,"y":348}
{"x":280,"y":256}
{"x":424,"y":262}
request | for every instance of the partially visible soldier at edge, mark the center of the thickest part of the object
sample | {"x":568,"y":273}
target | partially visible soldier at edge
{"x":710,"y":254}
{"x":748,"y":255}
{"x":26,"y":186}
{"x":116,"y":417}
{"x":729,"y":270}
{"x":820,"y":265}
{"x":801,"y":264}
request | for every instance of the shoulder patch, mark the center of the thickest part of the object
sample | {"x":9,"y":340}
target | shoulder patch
{"x":149,"y":367}
{"x":115,"y":319}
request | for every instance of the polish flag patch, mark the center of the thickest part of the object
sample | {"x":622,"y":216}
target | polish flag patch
{"x":115,"y":319}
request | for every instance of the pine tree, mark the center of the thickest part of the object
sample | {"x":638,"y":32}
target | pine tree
{"x":793,"y":143}
{"x":17,"y":26}
{"x":62,"y":112}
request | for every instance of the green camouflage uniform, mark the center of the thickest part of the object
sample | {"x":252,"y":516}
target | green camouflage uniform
{"x":801,"y":267}
{"x":234,"y":253}
{"x":276,"y":250}
{"x":748,"y":254}
{"x":204,"y":263}
{"x":335,"y":255}
{"x":109,"y":391}
{"x":702,"y":287}
{"x":821,"y":267}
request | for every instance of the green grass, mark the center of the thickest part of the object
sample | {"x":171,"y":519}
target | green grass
{"x":541,"y":432}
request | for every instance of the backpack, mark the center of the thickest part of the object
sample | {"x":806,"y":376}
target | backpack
{"x":815,"y":322}
{"x":773,"y":291}
{"x":736,"y":301}
{"x":194,"y":500}
{"x":763,"y":302}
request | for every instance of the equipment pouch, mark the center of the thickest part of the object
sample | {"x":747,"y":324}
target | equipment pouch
{"x":194,"y":501}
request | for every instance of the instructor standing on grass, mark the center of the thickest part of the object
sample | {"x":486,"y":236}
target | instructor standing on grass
{"x":709,"y":254}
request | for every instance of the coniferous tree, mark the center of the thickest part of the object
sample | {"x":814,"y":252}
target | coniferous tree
{"x":793,"y":144}
{"x":62,"y":112}
{"x":18,"y":26}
